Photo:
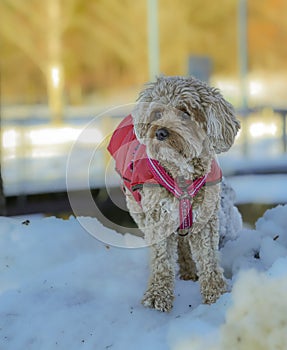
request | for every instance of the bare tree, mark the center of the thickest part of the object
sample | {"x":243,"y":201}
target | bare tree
{"x":84,"y":44}
{"x":66,"y":38}
{"x":37,"y":28}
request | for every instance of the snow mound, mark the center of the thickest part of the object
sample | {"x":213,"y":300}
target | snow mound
{"x":257,"y":320}
{"x":258,"y":248}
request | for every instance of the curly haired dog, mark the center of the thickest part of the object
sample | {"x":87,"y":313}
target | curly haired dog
{"x":172,"y":182}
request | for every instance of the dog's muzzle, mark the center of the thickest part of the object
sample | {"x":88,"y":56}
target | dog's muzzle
{"x":162,"y":134}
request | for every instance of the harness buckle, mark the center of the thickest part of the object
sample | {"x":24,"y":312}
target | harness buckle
{"x":185,"y":195}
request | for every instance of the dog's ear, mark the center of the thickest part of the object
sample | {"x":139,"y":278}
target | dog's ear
{"x":221,"y":123}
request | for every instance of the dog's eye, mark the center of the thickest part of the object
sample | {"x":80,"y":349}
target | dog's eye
{"x":184,"y":115}
{"x":155,"y":115}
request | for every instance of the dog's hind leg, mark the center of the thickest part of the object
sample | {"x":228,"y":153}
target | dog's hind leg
{"x":187,"y":267}
{"x":160,"y":291}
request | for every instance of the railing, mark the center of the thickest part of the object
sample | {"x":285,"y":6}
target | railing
{"x":34,"y":155}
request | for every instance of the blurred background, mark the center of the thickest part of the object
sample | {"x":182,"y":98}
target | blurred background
{"x":65,"y":63}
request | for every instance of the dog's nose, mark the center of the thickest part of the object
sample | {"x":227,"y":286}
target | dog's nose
{"x":161,"y":134}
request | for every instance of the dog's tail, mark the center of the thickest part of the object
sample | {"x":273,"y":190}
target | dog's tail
{"x":230,"y":220}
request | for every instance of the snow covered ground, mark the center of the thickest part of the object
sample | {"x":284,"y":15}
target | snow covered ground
{"x":60,"y":288}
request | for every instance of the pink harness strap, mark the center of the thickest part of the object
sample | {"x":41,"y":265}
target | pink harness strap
{"x":184,"y":192}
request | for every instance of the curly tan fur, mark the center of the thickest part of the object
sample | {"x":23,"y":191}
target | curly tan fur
{"x":200,"y":124}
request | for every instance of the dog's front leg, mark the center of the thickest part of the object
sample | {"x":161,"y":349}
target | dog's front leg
{"x":205,"y":253}
{"x":160,"y":291}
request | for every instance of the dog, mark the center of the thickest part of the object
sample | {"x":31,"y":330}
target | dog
{"x":165,"y":152}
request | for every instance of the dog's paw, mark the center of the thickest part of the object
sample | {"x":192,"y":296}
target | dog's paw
{"x":158,"y":298}
{"x":212,"y":296}
{"x":211,"y":290}
{"x":188,"y":275}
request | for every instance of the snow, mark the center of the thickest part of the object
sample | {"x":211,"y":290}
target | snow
{"x":60,"y":288}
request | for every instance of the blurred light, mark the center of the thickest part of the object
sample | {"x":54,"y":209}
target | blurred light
{"x":238,"y":134}
{"x":53,"y":136}
{"x":91,"y":136}
{"x":227,"y":86}
{"x":261,"y":129}
{"x":10,"y":138}
{"x":49,"y":136}
{"x":55,"y":73}
{"x":46,"y":153}
{"x":231,"y":87}
{"x":255,"y":88}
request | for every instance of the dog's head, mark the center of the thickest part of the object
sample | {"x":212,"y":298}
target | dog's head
{"x":180,"y":118}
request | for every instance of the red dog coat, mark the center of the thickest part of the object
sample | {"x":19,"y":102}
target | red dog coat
{"x":136,"y":169}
